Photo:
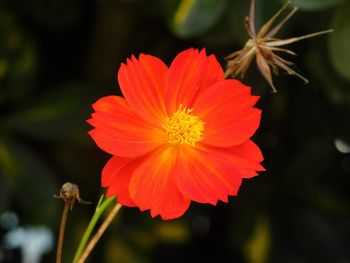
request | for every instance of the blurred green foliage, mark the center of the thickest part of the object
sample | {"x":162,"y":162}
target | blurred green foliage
{"x":57,"y":57}
{"x":189,"y":18}
{"x":340,"y":41}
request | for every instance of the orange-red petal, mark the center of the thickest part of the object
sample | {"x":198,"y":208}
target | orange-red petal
{"x":143,"y":83}
{"x":116,"y":176}
{"x":205,"y":175}
{"x":226,"y":108}
{"x":190,"y":73}
{"x":152,"y":186}
{"x":119,"y":131}
{"x":247,"y":158}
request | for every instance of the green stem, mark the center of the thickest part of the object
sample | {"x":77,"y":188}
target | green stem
{"x":99,"y":233}
{"x":101,"y":207}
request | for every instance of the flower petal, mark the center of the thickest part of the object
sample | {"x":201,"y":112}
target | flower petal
{"x":205,"y":175}
{"x":116,"y":176}
{"x":119,"y":131}
{"x":143,"y":83}
{"x":152,"y":186}
{"x":190,"y":73}
{"x":247,"y":158}
{"x":226,"y":108}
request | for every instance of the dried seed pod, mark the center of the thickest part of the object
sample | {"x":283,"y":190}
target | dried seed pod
{"x":262,"y":46}
{"x":70,"y":193}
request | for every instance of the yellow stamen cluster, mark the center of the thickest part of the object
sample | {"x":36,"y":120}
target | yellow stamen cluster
{"x":184,"y":128}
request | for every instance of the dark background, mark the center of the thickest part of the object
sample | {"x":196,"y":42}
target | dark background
{"x":59,"y":56}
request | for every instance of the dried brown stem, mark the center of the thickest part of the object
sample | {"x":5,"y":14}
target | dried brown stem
{"x":99,"y":233}
{"x":69,"y":193}
{"x":61,"y":235}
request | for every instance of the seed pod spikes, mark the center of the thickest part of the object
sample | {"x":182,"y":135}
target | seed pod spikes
{"x":262,"y":46}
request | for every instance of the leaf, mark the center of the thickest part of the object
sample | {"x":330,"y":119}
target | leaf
{"x":339,"y":41}
{"x":61,"y":112}
{"x":172,"y":232}
{"x":258,"y":247}
{"x":193,"y":17}
{"x":18,"y":58}
{"x":336,"y":90}
{"x":236,"y":20}
{"x":8,"y":165}
{"x":313,"y":5}
{"x":118,"y":251}
{"x":31,"y":180}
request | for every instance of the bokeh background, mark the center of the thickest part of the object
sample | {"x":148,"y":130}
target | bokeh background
{"x":59,"y":56}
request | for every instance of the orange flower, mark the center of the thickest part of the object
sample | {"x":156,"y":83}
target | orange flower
{"x":181,"y":134}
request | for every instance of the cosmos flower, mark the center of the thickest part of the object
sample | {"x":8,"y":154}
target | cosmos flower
{"x":263,"y":45}
{"x":180,"y":134}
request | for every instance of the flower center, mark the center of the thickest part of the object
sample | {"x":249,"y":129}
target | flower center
{"x":183,"y":127}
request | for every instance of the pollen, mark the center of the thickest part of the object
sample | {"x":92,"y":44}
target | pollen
{"x":183,"y":127}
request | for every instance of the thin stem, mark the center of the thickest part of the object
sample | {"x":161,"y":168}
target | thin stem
{"x":61,"y":235}
{"x":101,"y":207}
{"x":288,"y":41}
{"x":99,"y":233}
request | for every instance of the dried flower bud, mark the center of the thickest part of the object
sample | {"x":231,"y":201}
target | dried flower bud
{"x":262,"y":46}
{"x":70,"y":193}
